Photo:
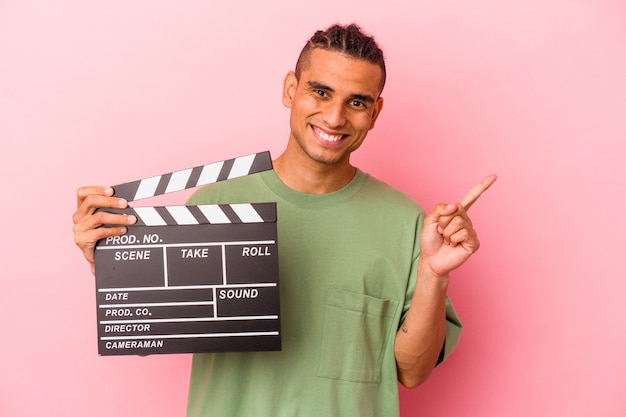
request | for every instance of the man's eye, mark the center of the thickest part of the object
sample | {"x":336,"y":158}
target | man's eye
{"x":357,"y":103}
{"x":320,"y":93}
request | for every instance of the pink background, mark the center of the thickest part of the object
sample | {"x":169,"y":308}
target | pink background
{"x":106,"y":92}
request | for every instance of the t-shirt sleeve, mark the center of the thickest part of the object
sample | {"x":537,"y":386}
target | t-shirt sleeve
{"x":453,"y":332}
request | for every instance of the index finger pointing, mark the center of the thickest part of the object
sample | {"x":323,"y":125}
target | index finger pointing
{"x":475,"y":192}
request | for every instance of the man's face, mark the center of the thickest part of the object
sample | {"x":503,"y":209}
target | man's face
{"x":333,"y":105}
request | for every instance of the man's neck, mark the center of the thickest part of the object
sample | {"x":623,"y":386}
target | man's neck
{"x":307,"y":176}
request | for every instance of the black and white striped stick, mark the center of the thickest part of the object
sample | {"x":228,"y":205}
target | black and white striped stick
{"x":196,"y":177}
{"x":202,"y":214}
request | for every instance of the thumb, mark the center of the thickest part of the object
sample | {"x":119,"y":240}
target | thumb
{"x":440,"y":210}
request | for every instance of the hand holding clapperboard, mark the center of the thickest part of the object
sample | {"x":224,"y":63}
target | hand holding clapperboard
{"x":190,"y":278}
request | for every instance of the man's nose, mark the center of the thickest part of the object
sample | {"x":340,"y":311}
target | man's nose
{"x":333,"y":115}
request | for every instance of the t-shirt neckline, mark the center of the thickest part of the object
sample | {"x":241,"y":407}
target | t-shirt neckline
{"x":306,"y":200}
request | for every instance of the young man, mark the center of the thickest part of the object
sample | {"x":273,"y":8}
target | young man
{"x":363,"y":273}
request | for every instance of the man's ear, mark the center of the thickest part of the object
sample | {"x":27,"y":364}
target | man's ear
{"x":289,"y":89}
{"x":378,"y":107}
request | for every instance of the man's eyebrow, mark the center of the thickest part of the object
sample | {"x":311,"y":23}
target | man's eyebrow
{"x":316,"y":85}
{"x":366,"y":98}
{"x":319,"y":86}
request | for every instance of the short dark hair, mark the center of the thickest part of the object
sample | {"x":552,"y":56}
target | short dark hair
{"x":349,"y":40}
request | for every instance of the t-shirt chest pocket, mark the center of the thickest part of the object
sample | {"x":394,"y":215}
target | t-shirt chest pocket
{"x":355,"y":335}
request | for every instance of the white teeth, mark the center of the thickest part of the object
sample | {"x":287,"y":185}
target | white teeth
{"x":327,"y":137}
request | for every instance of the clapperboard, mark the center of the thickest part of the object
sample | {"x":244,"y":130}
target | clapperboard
{"x":190,"y":278}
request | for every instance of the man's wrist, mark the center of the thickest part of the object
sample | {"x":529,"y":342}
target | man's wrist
{"x":426,"y":275}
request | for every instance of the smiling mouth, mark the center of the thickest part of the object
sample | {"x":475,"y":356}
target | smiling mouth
{"x":326,"y":136}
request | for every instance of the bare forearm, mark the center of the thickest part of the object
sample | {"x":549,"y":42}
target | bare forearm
{"x":447,"y":241}
{"x":421,"y":336}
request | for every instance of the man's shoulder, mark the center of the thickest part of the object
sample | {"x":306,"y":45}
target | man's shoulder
{"x":388,"y":194}
{"x":234,"y":190}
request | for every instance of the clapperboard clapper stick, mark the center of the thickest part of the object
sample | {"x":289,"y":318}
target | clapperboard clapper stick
{"x":189,"y":279}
